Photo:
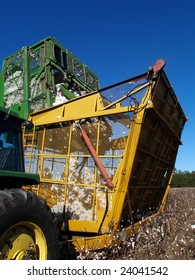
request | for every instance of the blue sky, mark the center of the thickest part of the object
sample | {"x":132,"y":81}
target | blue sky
{"x":117,"y":40}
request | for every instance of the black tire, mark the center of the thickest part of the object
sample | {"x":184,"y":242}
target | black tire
{"x":27,"y":227}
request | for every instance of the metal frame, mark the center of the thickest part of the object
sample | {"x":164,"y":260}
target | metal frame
{"x":39,"y":76}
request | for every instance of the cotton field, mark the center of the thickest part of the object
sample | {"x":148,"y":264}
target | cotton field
{"x":170,"y":237}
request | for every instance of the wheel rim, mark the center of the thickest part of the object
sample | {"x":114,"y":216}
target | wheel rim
{"x":23,"y":241}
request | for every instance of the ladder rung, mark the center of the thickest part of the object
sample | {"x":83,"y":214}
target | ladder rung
{"x":28,"y":134}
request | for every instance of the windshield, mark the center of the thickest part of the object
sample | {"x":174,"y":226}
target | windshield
{"x":10,"y":146}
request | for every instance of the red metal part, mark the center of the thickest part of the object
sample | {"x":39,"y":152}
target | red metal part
{"x":153,"y":70}
{"x":96,"y":158}
{"x":159,"y":64}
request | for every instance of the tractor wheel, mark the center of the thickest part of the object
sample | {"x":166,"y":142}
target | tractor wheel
{"x":27,"y":227}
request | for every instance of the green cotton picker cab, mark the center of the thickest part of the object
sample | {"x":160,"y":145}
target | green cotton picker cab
{"x":81,"y":168}
{"x":12,"y":169}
